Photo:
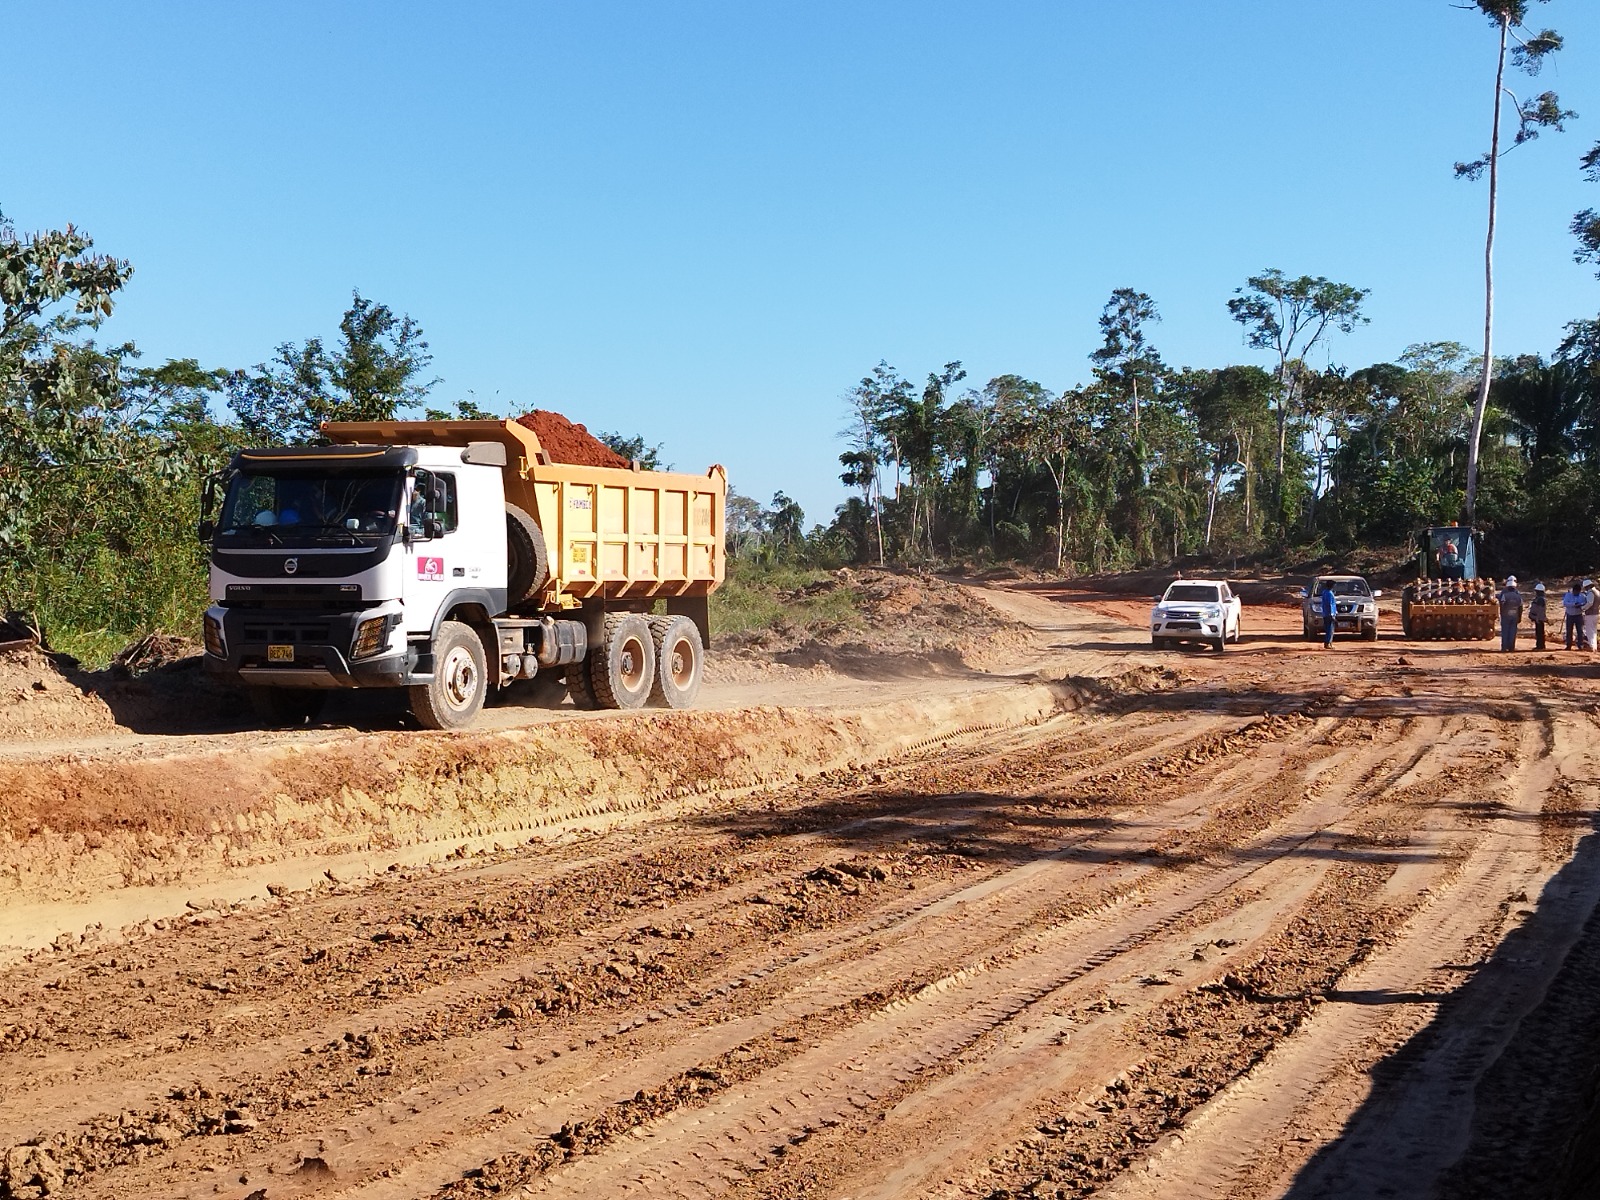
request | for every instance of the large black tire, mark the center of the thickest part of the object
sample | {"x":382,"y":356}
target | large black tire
{"x":680,"y":661}
{"x":1220,"y":644}
{"x":1370,"y":635}
{"x":622,"y":667}
{"x":527,"y":559}
{"x":460,"y":680}
{"x":287,"y":707}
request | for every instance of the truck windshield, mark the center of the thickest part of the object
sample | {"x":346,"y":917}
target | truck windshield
{"x":1192,"y":593}
{"x":349,"y":504}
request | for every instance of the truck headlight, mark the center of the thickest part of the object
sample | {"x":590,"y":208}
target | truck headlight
{"x":372,"y":637}
{"x":213,"y":634}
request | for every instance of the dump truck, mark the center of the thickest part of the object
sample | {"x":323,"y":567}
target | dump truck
{"x":1448,"y":600}
{"x":455,"y":559}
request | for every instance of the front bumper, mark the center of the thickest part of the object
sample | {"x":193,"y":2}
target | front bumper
{"x":318,"y":654}
{"x":1182,"y":628}
{"x":1348,"y":621}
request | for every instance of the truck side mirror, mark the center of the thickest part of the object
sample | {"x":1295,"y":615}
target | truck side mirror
{"x":1378,"y":595}
{"x":1302,"y":593}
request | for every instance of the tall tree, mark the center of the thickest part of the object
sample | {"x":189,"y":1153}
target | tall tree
{"x":1231,"y":409}
{"x":1127,"y":361}
{"x":1290,"y":317}
{"x":786,"y":522}
{"x":1586,"y":225}
{"x":998,"y":414}
{"x":1057,"y":432}
{"x":866,"y":431}
{"x":1541,"y":112}
{"x":374,"y":373}
{"x":916,"y":427}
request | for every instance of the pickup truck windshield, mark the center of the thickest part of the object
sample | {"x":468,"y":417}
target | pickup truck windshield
{"x":1346,"y":587}
{"x":302,"y":503}
{"x":1192,"y":593}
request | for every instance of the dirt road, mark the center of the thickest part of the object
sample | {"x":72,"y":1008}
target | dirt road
{"x":1285,"y":923}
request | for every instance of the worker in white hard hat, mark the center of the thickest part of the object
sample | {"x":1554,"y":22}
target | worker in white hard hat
{"x":1510,"y":613}
{"x":1572,"y":601}
{"x":1536,"y":615}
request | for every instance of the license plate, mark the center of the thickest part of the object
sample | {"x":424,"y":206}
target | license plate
{"x":280,"y":653}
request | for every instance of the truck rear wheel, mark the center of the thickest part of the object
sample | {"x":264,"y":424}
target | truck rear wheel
{"x":278,"y":706}
{"x":527,"y":559}
{"x":460,"y":680}
{"x":680,"y":661}
{"x":622,"y":668}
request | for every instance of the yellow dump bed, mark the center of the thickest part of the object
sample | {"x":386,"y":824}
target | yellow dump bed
{"x":610,"y":532}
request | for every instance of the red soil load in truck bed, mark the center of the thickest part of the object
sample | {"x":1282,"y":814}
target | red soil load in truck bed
{"x":572,"y":444}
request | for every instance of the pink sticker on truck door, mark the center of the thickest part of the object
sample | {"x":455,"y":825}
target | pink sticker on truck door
{"x":430,"y":568}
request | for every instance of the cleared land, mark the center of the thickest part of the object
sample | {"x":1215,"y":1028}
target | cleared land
{"x":1064,"y":917}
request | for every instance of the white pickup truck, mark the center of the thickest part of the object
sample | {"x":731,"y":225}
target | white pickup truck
{"x":1195,"y":610}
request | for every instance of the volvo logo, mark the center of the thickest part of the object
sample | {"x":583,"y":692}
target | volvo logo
{"x":291,"y":565}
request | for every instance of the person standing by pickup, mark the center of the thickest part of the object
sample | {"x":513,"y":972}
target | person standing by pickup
{"x":1326,"y":603}
{"x":1591,"y":612}
{"x":1510,"y":613}
{"x":1536,"y":616}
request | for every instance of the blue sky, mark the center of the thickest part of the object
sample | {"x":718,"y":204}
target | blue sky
{"x":703,"y":222}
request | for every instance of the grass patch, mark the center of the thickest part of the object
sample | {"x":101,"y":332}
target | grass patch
{"x":766,"y":597}
{"x":94,"y":648}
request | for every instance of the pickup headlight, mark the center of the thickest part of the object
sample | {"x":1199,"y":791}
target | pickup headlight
{"x":372,"y":637}
{"x":213,"y":634}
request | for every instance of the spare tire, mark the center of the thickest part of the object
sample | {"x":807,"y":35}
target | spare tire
{"x":527,"y":560}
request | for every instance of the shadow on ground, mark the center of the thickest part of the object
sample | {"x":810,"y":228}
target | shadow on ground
{"x":1533,"y":1129}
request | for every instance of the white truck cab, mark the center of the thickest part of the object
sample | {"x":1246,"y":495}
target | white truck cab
{"x":335,"y":566}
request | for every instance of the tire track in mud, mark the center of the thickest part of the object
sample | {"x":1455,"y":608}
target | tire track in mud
{"x":927,"y":1135}
{"x":1254,"y":1139}
{"x":1000,"y":933}
{"x":1094,"y":960}
{"x":204,"y":1096}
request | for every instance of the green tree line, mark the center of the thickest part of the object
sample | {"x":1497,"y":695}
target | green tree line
{"x":1144,"y":463}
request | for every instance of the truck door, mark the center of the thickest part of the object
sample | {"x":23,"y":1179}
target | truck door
{"x":435,"y":564}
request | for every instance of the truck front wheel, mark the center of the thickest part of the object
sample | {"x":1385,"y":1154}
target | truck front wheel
{"x":460,"y":680}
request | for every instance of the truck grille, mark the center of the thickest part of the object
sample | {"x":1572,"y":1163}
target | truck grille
{"x":262,"y":631}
